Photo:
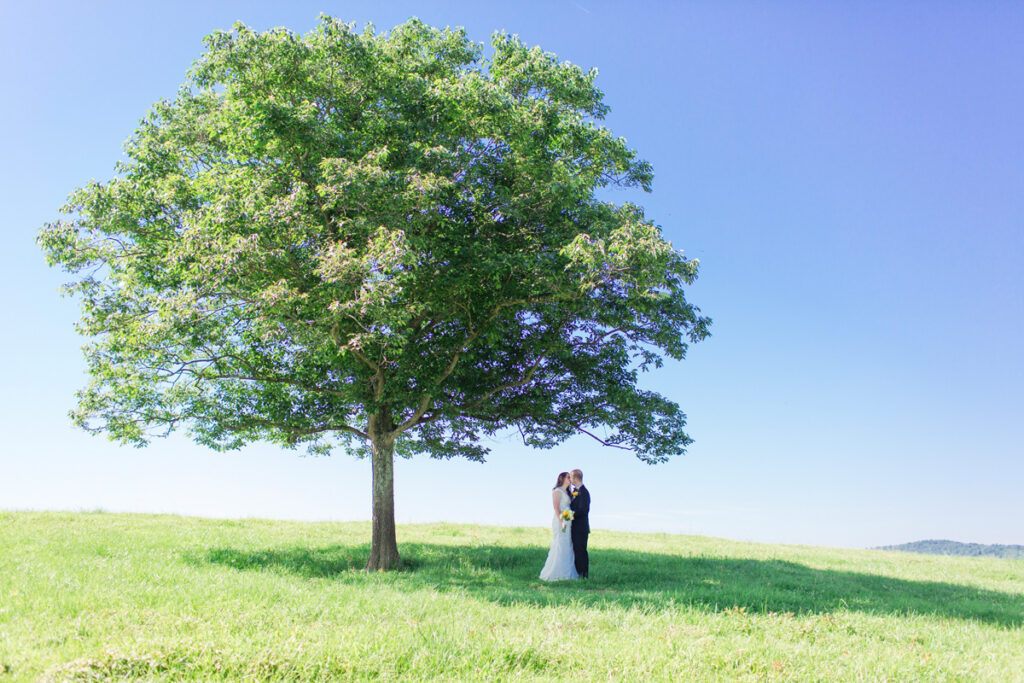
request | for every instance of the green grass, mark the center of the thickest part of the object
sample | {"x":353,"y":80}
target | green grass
{"x":96,"y":596}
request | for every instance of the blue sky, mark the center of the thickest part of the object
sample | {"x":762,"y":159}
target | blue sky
{"x":850,"y":175}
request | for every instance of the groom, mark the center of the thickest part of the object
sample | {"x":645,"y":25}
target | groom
{"x":580,"y":507}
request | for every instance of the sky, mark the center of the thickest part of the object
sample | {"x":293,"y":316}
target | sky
{"x":849,"y":174}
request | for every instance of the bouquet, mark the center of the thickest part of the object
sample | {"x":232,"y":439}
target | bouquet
{"x":567,"y":516}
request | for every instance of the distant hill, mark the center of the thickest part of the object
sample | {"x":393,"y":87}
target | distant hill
{"x":956,"y":548}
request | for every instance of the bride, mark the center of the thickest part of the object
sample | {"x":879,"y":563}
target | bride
{"x":561,"y":563}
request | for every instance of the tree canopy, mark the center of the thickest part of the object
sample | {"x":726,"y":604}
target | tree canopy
{"x":384,"y":242}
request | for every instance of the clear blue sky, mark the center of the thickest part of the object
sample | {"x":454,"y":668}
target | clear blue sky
{"x":850,"y":175}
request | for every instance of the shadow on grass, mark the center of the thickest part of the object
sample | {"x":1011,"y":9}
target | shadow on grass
{"x":621,"y":578}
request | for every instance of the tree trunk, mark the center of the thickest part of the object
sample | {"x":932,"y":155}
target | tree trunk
{"x":384,"y":546}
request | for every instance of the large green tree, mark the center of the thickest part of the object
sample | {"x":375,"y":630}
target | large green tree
{"x":388,"y":243}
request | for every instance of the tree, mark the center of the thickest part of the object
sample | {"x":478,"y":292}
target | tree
{"x":387,"y":243}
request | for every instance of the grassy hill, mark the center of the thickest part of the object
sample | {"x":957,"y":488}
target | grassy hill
{"x":95,"y":596}
{"x":961,"y":549}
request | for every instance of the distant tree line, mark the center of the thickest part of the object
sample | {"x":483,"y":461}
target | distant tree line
{"x":933,"y":547}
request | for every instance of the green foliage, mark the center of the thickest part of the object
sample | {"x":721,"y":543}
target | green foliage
{"x":87,"y":597}
{"x":322,"y":229}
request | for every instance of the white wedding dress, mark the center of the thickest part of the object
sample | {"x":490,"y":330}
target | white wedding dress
{"x":561,"y":563}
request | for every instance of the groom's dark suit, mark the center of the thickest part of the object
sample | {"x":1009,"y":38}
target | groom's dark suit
{"x":580,"y":507}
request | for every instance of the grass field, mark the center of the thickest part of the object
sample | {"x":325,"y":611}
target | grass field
{"x":97,"y":596}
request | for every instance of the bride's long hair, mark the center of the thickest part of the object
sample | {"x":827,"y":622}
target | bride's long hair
{"x":561,"y":480}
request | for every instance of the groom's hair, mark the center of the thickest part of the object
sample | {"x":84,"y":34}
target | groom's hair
{"x":577,"y":474}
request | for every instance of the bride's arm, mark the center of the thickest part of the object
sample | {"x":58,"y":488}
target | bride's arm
{"x":556,"y":497}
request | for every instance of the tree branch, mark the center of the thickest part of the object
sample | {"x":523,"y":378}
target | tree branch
{"x":302,"y":431}
{"x":600,"y":440}
{"x":425,"y":402}
{"x":252,"y":377}
{"x":475,"y":334}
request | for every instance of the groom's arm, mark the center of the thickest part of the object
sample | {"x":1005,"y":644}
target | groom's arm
{"x":582,"y":502}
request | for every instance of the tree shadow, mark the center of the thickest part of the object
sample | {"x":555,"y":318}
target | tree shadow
{"x":622,"y":578}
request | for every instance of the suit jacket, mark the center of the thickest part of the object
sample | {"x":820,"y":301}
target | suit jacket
{"x":580,"y":506}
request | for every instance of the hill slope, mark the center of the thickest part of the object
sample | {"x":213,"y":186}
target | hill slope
{"x":95,"y":596}
{"x":1012,"y":552}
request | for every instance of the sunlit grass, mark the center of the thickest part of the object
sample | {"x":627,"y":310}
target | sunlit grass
{"x":90,"y":596}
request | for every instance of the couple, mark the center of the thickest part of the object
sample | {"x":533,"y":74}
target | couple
{"x":567,"y":558}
